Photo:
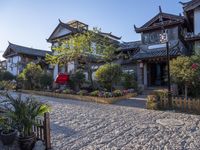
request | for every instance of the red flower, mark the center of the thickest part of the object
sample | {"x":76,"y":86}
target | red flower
{"x":195,"y":66}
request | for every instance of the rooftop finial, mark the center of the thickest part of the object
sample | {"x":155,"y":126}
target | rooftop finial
{"x":160,"y":9}
{"x":59,"y":20}
{"x":135,"y":27}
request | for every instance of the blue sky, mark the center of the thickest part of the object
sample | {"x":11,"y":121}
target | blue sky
{"x":30,"y":22}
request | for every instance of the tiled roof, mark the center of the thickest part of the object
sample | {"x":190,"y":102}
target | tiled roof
{"x":191,"y":5}
{"x":152,"y":53}
{"x":130,"y":45}
{"x":109,"y":35}
{"x":156,"y":23}
{"x":27,"y":50}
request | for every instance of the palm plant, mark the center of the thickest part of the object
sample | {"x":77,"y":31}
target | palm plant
{"x":23,"y":112}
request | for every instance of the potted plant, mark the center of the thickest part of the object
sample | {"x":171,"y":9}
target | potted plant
{"x":24,"y":112}
{"x":8,"y":133}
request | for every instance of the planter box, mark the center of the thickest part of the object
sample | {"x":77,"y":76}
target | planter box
{"x":82,"y":98}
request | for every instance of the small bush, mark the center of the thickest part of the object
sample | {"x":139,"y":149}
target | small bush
{"x":94,"y":93}
{"x":30,"y":76}
{"x":152,"y":102}
{"x":68,"y":91}
{"x":7,"y":85}
{"x":117,"y":93}
{"x":76,"y":80}
{"x":108,"y":75}
{"x":46,"y":80}
{"x":82,"y":92}
{"x":129,"y":81}
{"x":6,"y":76}
{"x":58,"y":91}
{"x":160,"y":94}
{"x":108,"y":94}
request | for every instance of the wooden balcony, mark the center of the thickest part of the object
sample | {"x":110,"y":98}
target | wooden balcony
{"x":191,"y":37}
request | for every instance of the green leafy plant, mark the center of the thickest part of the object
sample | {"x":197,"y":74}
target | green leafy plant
{"x":82,"y":92}
{"x":152,"y":102}
{"x":107,"y":94}
{"x":186,"y":71}
{"x":76,"y":80}
{"x":94,"y":93}
{"x":117,"y":93}
{"x":7,"y":85}
{"x":23,"y":112}
{"x":46,"y":80}
{"x":128,"y":80}
{"x":6,"y":125}
{"x":108,"y":75}
{"x":6,"y":76}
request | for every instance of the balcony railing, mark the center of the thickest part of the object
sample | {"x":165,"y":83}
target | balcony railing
{"x":190,"y":36}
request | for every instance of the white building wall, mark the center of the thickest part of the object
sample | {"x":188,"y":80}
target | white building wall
{"x":197,"y":29}
{"x":12,"y":65}
{"x":197,"y":21}
{"x":55,"y":72}
{"x":71,"y":66}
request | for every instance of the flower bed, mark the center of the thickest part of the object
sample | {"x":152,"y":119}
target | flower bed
{"x":82,"y":97}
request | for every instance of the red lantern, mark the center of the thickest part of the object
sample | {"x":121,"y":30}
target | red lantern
{"x":62,"y":78}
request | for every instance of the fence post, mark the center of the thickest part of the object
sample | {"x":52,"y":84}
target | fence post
{"x":47,"y":136}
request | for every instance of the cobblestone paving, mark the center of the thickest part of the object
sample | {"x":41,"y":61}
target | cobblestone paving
{"x":90,"y":126}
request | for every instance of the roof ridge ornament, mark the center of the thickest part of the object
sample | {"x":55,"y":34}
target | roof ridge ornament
{"x":160,"y":9}
{"x":59,"y":20}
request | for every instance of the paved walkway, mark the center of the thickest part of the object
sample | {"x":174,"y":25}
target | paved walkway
{"x":138,"y":102}
{"x":90,"y":126}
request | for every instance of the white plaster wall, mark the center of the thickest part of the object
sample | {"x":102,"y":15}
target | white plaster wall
{"x":71,"y":66}
{"x":197,"y":21}
{"x":93,"y":75}
{"x":61,"y":31}
{"x":55,"y":72}
{"x":12,"y":64}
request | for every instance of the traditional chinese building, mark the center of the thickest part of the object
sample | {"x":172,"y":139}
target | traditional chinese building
{"x":62,"y":32}
{"x":17,"y":57}
{"x":3,"y":65}
{"x":152,"y":56}
{"x":192,"y":14}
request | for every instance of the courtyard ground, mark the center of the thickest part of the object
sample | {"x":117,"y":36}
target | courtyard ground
{"x":90,"y":126}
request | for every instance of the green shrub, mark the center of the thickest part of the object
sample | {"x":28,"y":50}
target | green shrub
{"x":107,"y":94}
{"x":68,"y":91}
{"x":82,"y":92}
{"x":6,"y":76}
{"x":160,"y":94}
{"x":152,"y":102}
{"x":46,"y":80}
{"x":30,"y":76}
{"x":108,"y":75}
{"x":128,"y":81}
{"x":76,"y":80}
{"x":7,"y":85}
{"x":117,"y":93}
{"x":94,"y":93}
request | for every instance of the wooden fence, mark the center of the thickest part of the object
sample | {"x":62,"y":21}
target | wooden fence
{"x":181,"y":104}
{"x":42,"y":131}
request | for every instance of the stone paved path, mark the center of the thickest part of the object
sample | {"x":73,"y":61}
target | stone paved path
{"x":138,"y":102}
{"x":90,"y":126}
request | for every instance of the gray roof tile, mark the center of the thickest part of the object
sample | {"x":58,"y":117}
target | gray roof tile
{"x":27,"y":50}
{"x":162,"y":52}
